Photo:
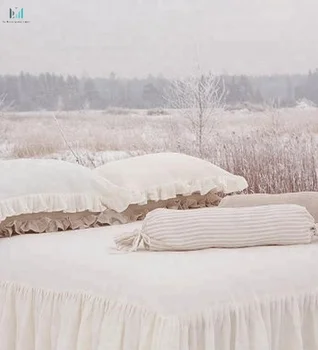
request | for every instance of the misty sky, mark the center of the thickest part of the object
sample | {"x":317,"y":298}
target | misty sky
{"x":135,"y":38}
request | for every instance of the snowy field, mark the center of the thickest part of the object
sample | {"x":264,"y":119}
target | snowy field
{"x":275,"y":150}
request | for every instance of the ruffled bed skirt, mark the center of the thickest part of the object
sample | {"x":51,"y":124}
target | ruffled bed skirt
{"x":35,"y":319}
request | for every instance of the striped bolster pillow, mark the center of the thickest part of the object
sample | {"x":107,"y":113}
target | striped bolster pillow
{"x":180,"y":230}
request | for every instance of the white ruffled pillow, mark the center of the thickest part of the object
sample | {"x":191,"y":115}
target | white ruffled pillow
{"x":178,"y":230}
{"x":162,"y":176}
{"x":30,"y":186}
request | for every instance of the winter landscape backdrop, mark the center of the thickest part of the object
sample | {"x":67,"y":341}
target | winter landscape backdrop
{"x":273,"y":142}
{"x":87,"y":82}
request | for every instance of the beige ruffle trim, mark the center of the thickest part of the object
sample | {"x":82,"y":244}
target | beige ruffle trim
{"x":59,"y":221}
{"x":53,"y":222}
{"x":196,"y":200}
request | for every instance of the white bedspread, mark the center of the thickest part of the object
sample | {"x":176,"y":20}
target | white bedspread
{"x":73,"y":291}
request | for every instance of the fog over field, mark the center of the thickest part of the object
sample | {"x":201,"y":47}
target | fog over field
{"x":135,"y":38}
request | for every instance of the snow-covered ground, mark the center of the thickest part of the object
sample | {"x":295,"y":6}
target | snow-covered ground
{"x":275,"y":150}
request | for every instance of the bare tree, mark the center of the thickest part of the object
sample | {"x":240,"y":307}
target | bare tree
{"x":2,"y":100}
{"x":199,"y":98}
{"x":4,"y":104}
{"x":76,"y":156}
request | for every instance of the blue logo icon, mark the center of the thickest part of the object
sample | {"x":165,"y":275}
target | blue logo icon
{"x":16,"y":13}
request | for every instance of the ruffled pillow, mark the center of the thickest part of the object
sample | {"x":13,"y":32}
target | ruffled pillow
{"x":163,"y":176}
{"x":34,"y":186}
{"x":30,"y":186}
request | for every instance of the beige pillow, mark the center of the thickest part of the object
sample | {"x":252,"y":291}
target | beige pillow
{"x":181,"y":230}
{"x":306,"y":199}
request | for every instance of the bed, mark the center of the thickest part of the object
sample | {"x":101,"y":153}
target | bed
{"x":74,"y":291}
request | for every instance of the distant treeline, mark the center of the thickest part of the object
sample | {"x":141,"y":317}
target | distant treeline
{"x":27,"y":92}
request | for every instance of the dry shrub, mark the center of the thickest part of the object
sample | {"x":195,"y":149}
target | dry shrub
{"x":275,"y":154}
{"x":277,"y":157}
{"x":117,"y":111}
{"x":157,"y":111}
{"x":270,"y":164}
{"x":32,"y":150}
